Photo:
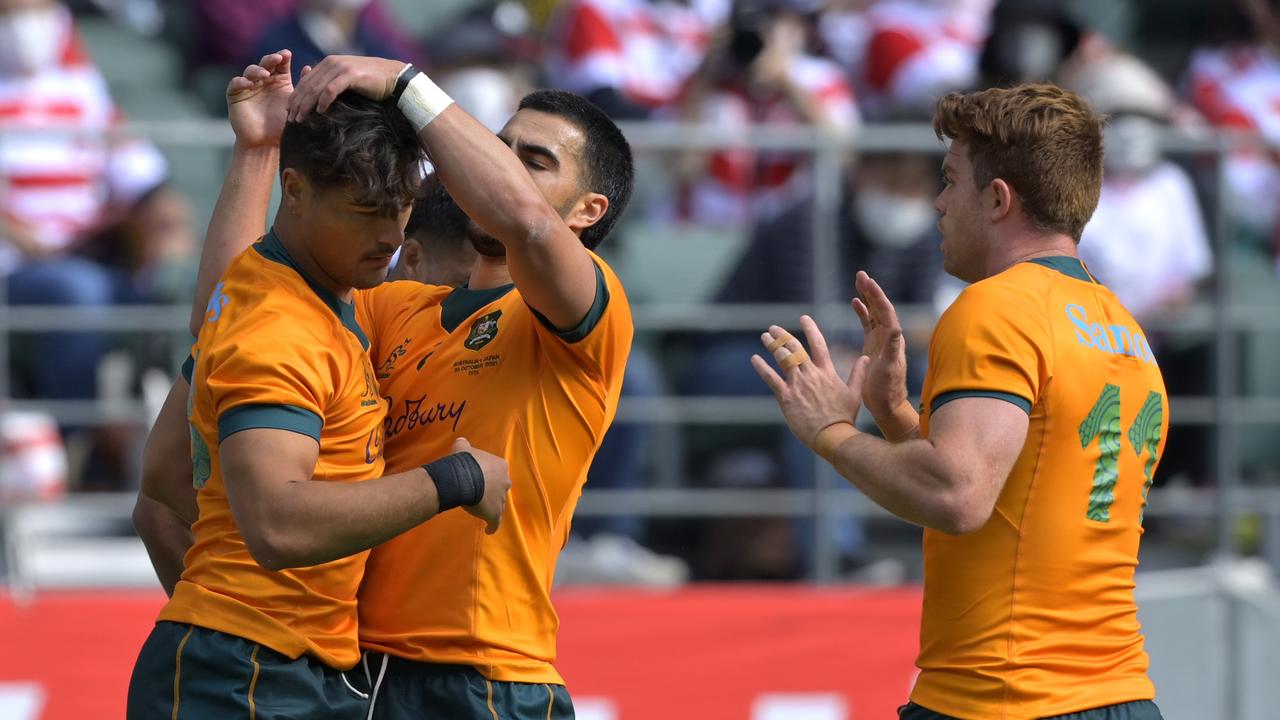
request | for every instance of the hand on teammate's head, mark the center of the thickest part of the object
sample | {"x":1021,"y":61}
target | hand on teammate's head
{"x":374,"y":78}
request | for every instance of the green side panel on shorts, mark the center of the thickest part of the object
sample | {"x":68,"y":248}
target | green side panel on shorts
{"x":426,"y":690}
{"x":1136,"y":710}
{"x":211,"y":674}
{"x":912,"y":711}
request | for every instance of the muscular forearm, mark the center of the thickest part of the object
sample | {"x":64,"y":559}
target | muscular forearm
{"x":311,"y":522}
{"x":476,"y":167}
{"x":909,"y":479}
{"x":238,"y":219}
{"x":900,"y":424}
{"x":555,"y":274}
{"x":166,"y":536}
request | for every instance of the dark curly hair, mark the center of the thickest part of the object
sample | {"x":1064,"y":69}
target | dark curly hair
{"x":358,"y":142}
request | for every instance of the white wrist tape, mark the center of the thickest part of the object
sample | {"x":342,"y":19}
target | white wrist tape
{"x":422,"y":101}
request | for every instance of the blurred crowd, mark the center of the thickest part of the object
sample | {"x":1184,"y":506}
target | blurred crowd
{"x":89,"y":218}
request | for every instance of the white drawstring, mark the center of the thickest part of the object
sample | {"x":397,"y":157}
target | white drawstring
{"x":373,"y":696}
{"x":351,"y":687}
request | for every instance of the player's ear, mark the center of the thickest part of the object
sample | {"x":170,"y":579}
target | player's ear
{"x":294,"y":190}
{"x":587,"y":211}
{"x":1001,"y":200}
{"x":411,"y":256}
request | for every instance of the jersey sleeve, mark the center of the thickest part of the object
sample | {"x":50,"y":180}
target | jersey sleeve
{"x":603,"y":339}
{"x":279,"y":384}
{"x":991,"y":342}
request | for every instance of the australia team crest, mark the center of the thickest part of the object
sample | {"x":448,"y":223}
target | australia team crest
{"x":484,"y":329}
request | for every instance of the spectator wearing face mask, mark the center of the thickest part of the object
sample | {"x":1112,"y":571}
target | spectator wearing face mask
{"x":887,"y":226}
{"x":62,"y":195}
{"x":1029,"y":41}
{"x":59,"y":188}
{"x":890,"y":228}
{"x":1147,"y":239}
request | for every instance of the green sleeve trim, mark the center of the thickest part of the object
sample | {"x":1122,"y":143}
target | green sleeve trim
{"x":188,"y":366}
{"x":947,"y":397}
{"x":584,"y":328}
{"x":277,"y":417}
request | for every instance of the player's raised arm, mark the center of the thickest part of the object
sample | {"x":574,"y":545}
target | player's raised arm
{"x":256,"y":106}
{"x":490,"y":182}
{"x":166,"y":504}
{"x":289,"y":520}
{"x":949,"y":482}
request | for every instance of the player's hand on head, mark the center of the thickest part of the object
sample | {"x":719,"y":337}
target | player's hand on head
{"x":374,"y":78}
{"x":257,"y":100}
{"x":883,"y":342}
{"x":497,"y":482}
{"x":809,"y":391}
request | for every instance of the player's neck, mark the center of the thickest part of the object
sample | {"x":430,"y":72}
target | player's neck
{"x":1029,"y":248}
{"x":301,"y":256}
{"x":489,"y":272}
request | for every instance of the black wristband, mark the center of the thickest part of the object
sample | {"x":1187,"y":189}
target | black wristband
{"x":409,"y":73}
{"x":458,"y":478}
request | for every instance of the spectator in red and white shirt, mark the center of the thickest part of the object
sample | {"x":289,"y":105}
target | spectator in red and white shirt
{"x":761,"y":72}
{"x":1236,"y":85}
{"x":904,"y":54}
{"x":630,"y":57}
{"x":58,"y":190}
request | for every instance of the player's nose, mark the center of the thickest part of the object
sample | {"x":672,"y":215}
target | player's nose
{"x":388,"y":241}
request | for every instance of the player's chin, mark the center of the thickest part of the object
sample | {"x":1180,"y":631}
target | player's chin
{"x":484,"y":243}
{"x":949,"y":266}
{"x":487,"y":246}
{"x":369,"y":277}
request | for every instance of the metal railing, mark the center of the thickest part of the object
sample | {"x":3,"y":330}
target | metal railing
{"x":1221,"y":316}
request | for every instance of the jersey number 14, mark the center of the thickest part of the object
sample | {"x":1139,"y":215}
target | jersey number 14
{"x":1103,"y":425}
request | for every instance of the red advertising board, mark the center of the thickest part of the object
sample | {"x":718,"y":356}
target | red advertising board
{"x":751,"y":653}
